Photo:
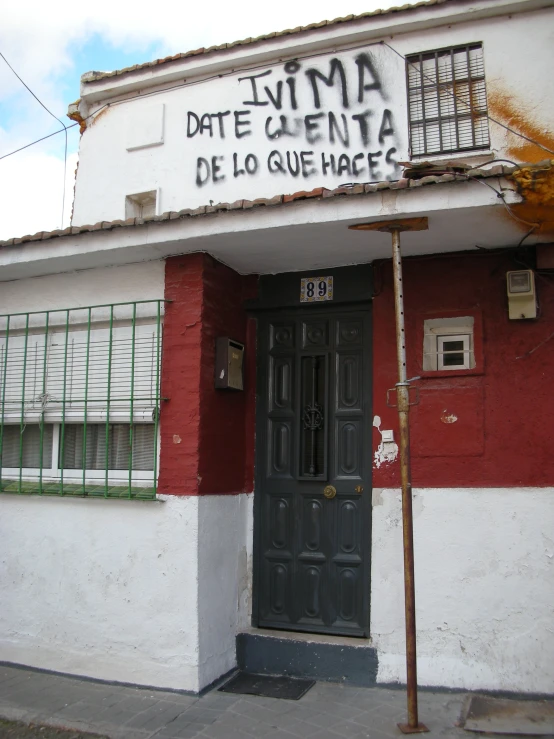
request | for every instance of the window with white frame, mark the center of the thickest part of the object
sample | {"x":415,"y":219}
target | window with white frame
{"x":448,"y":344}
{"x":447,"y":100}
{"x":79,"y":400}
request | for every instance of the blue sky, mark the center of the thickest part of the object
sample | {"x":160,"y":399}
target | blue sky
{"x":50,"y":45}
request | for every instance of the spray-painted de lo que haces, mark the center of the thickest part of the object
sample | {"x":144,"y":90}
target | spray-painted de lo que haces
{"x":329,"y":120}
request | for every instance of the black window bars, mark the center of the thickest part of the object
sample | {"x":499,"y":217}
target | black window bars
{"x":447,"y":100}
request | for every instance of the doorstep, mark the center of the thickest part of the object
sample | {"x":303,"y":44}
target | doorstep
{"x":347,"y":660}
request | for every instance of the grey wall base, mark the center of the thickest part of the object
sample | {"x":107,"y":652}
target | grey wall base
{"x":349,"y":661}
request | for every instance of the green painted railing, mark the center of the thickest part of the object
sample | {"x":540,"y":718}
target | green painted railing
{"x":80,"y":400}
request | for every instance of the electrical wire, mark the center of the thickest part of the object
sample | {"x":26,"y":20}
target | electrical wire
{"x":264,"y":66}
{"x":500,"y":194}
{"x":4,"y":156}
{"x":235,"y":70}
{"x":55,"y":118}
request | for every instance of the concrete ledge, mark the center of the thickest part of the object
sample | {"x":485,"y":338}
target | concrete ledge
{"x":335,"y":659}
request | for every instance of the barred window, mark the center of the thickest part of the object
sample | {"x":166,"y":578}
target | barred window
{"x":79,"y":400}
{"x":447,"y":100}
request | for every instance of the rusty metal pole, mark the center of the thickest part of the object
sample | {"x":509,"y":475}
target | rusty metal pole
{"x":394,"y":227}
{"x":403,"y":403}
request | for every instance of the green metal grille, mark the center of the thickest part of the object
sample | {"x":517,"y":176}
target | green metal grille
{"x":80,"y":400}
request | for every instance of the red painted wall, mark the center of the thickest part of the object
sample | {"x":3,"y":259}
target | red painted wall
{"x":504,"y":408}
{"x":225,"y":453}
{"x":207,"y":435}
{"x":180,"y":415}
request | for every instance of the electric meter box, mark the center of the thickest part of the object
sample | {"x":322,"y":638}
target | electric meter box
{"x":522,"y":299}
{"x":229,"y":360}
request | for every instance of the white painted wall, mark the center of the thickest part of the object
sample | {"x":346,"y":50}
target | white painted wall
{"x":154,"y":593}
{"x":236,"y":143}
{"x":224,"y":580}
{"x":517,"y":50}
{"x":484,"y":573}
{"x":151,"y":593}
{"x":106,"y":589}
{"x":144,"y":281}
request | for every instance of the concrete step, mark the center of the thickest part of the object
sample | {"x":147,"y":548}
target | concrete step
{"x":334,"y":658}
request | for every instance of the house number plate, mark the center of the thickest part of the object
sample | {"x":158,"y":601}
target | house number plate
{"x":316,"y":289}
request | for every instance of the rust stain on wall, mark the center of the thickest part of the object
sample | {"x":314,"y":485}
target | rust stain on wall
{"x":536,"y":186}
{"x":74,"y":115}
{"x":95,"y":118}
{"x":506,"y":108}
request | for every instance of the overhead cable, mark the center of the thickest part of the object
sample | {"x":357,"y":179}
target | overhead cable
{"x":260,"y":66}
{"x":53,"y":116}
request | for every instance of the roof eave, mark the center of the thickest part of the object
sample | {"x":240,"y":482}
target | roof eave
{"x":102,"y":86}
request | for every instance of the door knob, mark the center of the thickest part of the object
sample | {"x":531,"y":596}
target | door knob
{"x":329,"y":491}
{"x":358,"y":489}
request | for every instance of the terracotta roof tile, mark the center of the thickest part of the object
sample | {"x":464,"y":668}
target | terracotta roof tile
{"x":93,"y":76}
{"x":320,"y":193}
{"x":303,"y":194}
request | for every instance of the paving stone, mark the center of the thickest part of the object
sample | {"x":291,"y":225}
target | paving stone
{"x":324,"y":720}
{"x":124,"y":710}
{"x":227,"y":735}
{"x":155,"y":717}
{"x":348,"y":729}
{"x":121,"y":732}
{"x":327,"y":711}
{"x":304,"y":730}
{"x":80,"y":710}
{"x":278,"y":734}
{"x":304,"y":712}
{"x":202,"y":715}
{"x":183,"y":733}
{"x":10,"y":677}
{"x":178,"y":726}
{"x":216,"y":699}
{"x":248,"y":725}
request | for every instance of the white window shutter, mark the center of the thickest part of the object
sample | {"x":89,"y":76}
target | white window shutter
{"x":21,"y":377}
{"x":102,"y":375}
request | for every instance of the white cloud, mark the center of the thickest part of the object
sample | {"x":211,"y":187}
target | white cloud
{"x":38,"y":38}
{"x":32,"y":189}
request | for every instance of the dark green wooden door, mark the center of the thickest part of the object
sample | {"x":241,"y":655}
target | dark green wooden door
{"x":313,"y":438}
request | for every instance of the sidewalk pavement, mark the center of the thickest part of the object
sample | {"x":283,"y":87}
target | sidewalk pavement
{"x":327,"y":711}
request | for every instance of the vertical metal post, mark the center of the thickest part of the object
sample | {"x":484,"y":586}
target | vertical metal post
{"x":403,"y":403}
{"x":4,"y":386}
{"x":64,"y":398}
{"x":157,"y":407}
{"x":131,"y":405}
{"x":85,"y":409}
{"x":44,"y":401}
{"x":22,"y":418}
{"x":107,"y":436}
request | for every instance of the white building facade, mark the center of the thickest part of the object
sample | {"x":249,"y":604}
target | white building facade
{"x":151,"y":518}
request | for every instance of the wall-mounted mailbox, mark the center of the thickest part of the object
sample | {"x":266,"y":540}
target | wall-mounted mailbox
{"x":229,"y":356}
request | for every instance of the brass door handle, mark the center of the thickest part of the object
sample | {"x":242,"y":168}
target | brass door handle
{"x":329,"y":491}
{"x":358,"y":489}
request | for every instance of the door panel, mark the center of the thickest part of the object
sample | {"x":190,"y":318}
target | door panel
{"x":312,"y":552}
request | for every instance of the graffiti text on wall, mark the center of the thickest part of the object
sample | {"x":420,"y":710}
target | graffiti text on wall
{"x":329,"y":121}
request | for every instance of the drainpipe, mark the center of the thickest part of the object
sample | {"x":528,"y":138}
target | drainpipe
{"x":403,"y":404}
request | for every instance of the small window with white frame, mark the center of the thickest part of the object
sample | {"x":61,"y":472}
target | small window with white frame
{"x":448,"y":344}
